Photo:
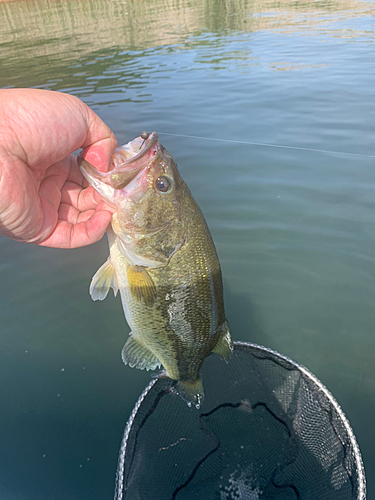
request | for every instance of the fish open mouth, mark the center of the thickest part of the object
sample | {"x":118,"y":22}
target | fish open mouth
{"x":126,"y":163}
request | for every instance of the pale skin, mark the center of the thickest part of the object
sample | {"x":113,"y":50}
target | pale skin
{"x":43,"y":196}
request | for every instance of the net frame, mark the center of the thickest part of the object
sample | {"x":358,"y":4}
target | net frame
{"x":359,"y":467}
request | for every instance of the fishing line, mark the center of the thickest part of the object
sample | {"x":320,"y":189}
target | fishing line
{"x":268,"y":145}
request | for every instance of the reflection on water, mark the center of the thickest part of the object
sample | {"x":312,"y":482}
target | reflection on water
{"x":294,"y":229}
{"x":97,"y":25}
{"x":75,"y":41}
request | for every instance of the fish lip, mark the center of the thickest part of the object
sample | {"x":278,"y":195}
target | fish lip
{"x":144,"y":149}
{"x":120,"y":175}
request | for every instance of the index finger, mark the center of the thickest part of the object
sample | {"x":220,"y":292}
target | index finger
{"x":45,"y":126}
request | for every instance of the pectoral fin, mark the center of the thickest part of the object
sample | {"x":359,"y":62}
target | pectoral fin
{"x":224,"y":346}
{"x":104,"y":278}
{"x":141,"y":285}
{"x":137,"y":355}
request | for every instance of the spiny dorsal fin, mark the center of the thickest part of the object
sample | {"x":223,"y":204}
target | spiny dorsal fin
{"x":224,"y":346}
{"x":141,"y":285}
{"x":137,"y":355}
{"x":104,"y":278}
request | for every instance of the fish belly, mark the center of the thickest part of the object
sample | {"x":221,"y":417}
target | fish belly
{"x":147,"y":323}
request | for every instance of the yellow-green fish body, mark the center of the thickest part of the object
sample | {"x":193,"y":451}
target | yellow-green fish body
{"x":163,"y":261}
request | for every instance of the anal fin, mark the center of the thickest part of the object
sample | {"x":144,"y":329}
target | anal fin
{"x":104,"y":278}
{"x":137,"y":355}
{"x":141,"y":285}
{"x":224,"y":346}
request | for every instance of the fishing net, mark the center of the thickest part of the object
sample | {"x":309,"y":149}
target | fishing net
{"x":267,"y":429}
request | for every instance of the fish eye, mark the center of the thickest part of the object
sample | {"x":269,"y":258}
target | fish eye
{"x":163,"y":184}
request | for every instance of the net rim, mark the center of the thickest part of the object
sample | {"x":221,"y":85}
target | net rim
{"x":246,"y":346}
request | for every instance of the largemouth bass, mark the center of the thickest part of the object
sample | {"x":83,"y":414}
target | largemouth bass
{"x":164,"y":262}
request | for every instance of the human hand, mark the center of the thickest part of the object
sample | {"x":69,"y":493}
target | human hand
{"x":42,"y":195}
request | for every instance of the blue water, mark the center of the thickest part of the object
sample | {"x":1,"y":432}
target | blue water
{"x":294,"y":228}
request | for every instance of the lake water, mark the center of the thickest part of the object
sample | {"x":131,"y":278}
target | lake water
{"x":220,"y":81}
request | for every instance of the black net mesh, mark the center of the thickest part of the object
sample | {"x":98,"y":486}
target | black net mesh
{"x":267,"y":429}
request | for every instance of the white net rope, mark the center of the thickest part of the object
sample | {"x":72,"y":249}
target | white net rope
{"x":267,"y":429}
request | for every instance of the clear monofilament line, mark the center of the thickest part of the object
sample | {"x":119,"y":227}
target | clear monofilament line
{"x":268,"y":145}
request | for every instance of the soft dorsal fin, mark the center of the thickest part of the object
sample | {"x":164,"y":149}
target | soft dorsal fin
{"x":104,"y":278}
{"x":224,"y":346}
{"x":137,"y":355}
{"x":141,"y":285}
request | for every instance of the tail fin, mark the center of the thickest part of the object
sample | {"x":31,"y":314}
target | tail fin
{"x":191,"y":392}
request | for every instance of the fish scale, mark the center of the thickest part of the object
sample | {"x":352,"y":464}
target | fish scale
{"x":164,"y":262}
